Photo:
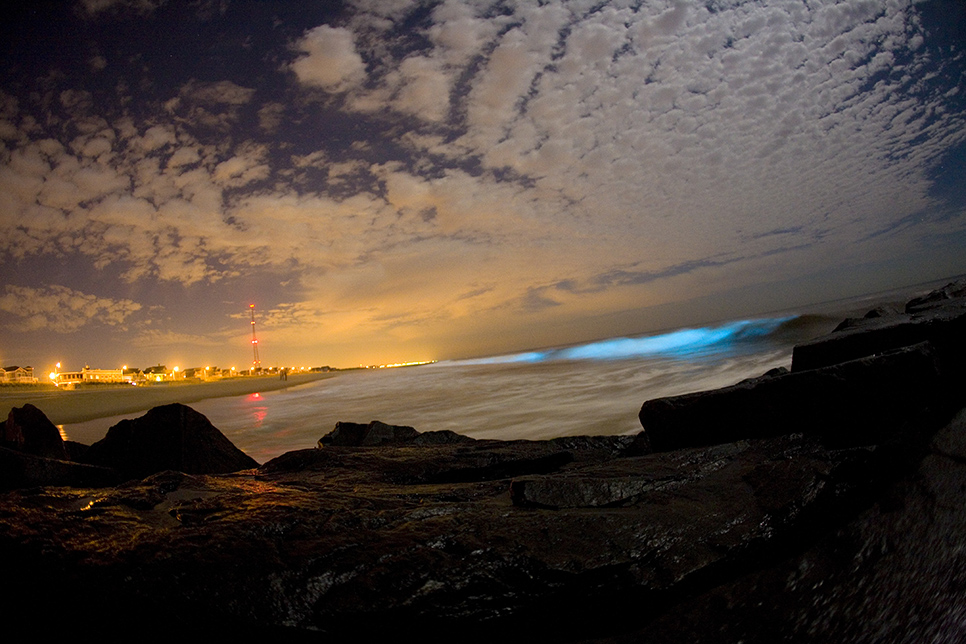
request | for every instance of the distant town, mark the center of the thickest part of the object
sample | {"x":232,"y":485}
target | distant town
{"x":160,"y":374}
{"x":134,"y":376}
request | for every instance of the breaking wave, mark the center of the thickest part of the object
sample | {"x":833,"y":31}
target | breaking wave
{"x":680,"y":344}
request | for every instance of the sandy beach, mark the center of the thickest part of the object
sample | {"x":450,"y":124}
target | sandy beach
{"x":84,"y":404}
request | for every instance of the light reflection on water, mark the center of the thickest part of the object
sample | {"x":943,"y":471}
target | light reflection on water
{"x":505,"y":401}
{"x":596,"y":388}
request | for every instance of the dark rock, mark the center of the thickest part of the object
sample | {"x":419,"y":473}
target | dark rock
{"x":939,"y":297}
{"x":943,"y":325}
{"x":170,"y":437}
{"x":895,"y":572}
{"x":594,"y":448}
{"x":621,"y":482}
{"x":375,"y":433}
{"x":22,"y":470}
{"x":855,"y":402}
{"x":76,"y":451}
{"x":876,"y":313}
{"x":440,"y":437}
{"x":28,"y":430}
{"x":411,"y":464}
{"x":882,"y":312}
{"x":346,"y":550}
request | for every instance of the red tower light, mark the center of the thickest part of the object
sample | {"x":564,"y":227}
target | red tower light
{"x":255,"y":361}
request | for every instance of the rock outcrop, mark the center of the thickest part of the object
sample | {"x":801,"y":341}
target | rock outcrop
{"x":33,"y":453}
{"x":28,"y":430}
{"x":849,"y":403}
{"x":22,"y":470}
{"x":817,"y":504}
{"x":171,"y":437}
{"x":938,"y":318}
{"x":375,"y":433}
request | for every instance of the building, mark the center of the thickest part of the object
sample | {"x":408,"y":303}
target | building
{"x":15,"y":374}
{"x":160,"y":373}
{"x":134,"y":376}
{"x":87,"y":376}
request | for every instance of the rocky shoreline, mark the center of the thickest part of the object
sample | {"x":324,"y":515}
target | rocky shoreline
{"x":821,"y":503}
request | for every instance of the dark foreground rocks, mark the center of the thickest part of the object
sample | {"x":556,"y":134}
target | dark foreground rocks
{"x":823,"y":504}
{"x":170,"y":437}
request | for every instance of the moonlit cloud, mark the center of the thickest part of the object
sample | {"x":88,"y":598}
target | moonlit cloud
{"x":60,"y":309}
{"x":413,"y":177}
{"x":330,"y":61}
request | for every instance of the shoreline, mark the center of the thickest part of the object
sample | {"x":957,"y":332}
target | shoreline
{"x":65,"y":407}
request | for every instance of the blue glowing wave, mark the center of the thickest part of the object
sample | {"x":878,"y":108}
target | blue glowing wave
{"x":682,"y":343}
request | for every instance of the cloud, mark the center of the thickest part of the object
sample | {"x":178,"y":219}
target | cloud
{"x":153,"y":338}
{"x":62,"y":310}
{"x":271,"y":116}
{"x":424,"y":90}
{"x":217,"y":93}
{"x":247,"y":165}
{"x":330,"y":59}
{"x":100,"y":6}
{"x":416,"y":165}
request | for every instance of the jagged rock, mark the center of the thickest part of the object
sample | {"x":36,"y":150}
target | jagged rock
{"x":22,"y":470}
{"x":621,"y":482}
{"x":333,"y":540}
{"x":76,"y":451}
{"x":877,"y":312}
{"x":938,"y":297}
{"x":855,"y":402}
{"x":170,"y":437}
{"x":594,"y":448}
{"x":375,"y":433}
{"x":410,"y":464}
{"x":28,"y":430}
{"x":440,"y":437}
{"x":896,"y":572}
{"x":943,"y":324}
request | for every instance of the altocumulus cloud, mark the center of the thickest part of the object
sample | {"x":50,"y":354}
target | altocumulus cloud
{"x":61,"y":309}
{"x":418,"y":169}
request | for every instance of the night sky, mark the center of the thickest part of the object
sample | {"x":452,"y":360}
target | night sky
{"x":391,"y":180}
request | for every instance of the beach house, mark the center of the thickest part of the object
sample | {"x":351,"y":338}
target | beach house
{"x":16,"y":374}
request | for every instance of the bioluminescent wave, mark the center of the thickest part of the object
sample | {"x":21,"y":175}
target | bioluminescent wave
{"x":682,"y":343}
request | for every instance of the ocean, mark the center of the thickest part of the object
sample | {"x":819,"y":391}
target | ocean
{"x":593,"y":388}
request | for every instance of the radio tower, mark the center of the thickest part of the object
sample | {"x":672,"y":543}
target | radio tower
{"x":256,"y":363}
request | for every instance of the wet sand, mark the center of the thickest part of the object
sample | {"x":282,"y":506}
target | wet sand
{"x":101,"y":401}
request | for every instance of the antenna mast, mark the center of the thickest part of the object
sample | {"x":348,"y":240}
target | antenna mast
{"x":256,"y":363}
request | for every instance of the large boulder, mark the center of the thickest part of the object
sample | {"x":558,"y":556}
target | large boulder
{"x":337,"y":543}
{"x":895,"y":572}
{"x":170,"y":437}
{"x":855,"y":402}
{"x":447,"y":462}
{"x":939,"y":297}
{"x":347,"y":434}
{"x":28,"y":430}
{"x":938,"y":318}
{"x":22,"y":470}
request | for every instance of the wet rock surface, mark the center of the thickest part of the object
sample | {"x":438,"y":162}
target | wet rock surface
{"x":896,"y":572}
{"x":799,"y":506}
